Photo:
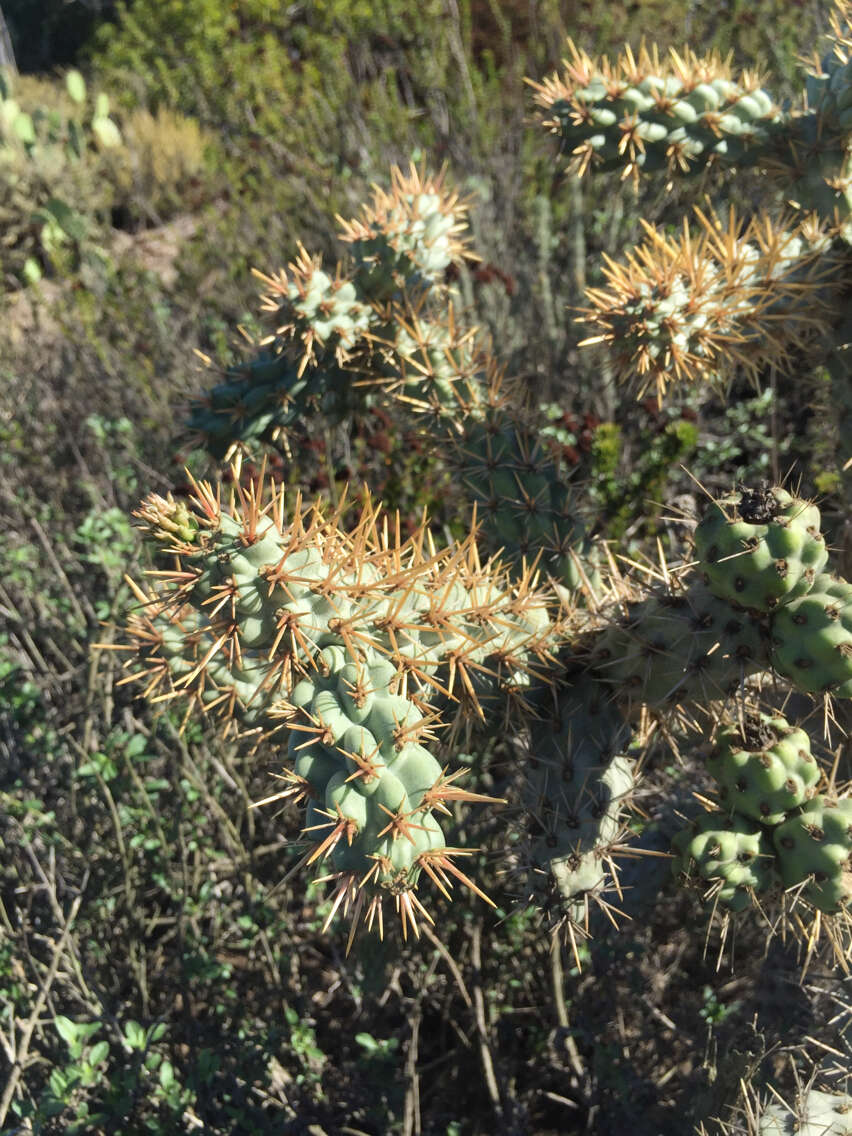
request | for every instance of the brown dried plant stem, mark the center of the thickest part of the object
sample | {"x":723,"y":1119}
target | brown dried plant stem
{"x":23,"y":1046}
{"x":481,"y":1023}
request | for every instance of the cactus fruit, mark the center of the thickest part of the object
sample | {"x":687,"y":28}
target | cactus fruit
{"x":765,"y":768}
{"x":648,"y":115}
{"x":760,"y":548}
{"x":733,"y":854}
{"x":814,"y":848}
{"x":816,"y":1114}
{"x":812,"y":638}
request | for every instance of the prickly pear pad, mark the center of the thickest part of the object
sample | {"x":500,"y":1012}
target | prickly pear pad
{"x":760,"y":548}
{"x":764,"y":769}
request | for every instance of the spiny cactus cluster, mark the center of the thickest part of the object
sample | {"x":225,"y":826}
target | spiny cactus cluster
{"x":352,"y":647}
{"x":650,"y":115}
{"x":364,"y":659}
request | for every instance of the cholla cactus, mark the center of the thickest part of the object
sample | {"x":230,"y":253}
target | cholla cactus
{"x":366,"y":659}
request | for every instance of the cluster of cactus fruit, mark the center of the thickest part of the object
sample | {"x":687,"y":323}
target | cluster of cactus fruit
{"x":363,"y":660}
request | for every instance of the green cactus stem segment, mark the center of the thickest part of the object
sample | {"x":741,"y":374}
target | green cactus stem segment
{"x":644,"y":115}
{"x":765,"y":768}
{"x":812,"y":638}
{"x":579,"y":782}
{"x":730,"y":857}
{"x":814,"y":849}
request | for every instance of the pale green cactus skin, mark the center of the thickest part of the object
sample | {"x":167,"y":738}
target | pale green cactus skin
{"x":812,"y":638}
{"x":814,"y":848}
{"x":715,"y":120}
{"x":817,"y":1114}
{"x":730,"y":855}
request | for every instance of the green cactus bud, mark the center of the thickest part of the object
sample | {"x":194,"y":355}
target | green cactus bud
{"x":760,"y":548}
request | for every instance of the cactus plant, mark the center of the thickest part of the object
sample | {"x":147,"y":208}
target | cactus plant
{"x":366,"y":659}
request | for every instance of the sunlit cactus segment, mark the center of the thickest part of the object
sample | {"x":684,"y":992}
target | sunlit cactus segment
{"x":812,"y":638}
{"x":355,"y":648}
{"x":719,"y":300}
{"x":644,"y":114}
{"x":318,"y":312}
{"x":333,"y":333}
{"x":408,"y":236}
{"x":814,"y":849}
{"x":255,"y":587}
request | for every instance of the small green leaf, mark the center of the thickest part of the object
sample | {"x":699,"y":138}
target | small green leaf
{"x":167,"y":1075}
{"x":135,"y":1035}
{"x":31,"y":271}
{"x":99,"y":1053}
{"x":367,"y":1041}
{"x":66,"y":1029}
{"x":136,"y":745}
{"x":69,"y":221}
{"x":23,"y":127}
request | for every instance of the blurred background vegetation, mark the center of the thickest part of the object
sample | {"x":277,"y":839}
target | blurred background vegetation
{"x":154,"y":975}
